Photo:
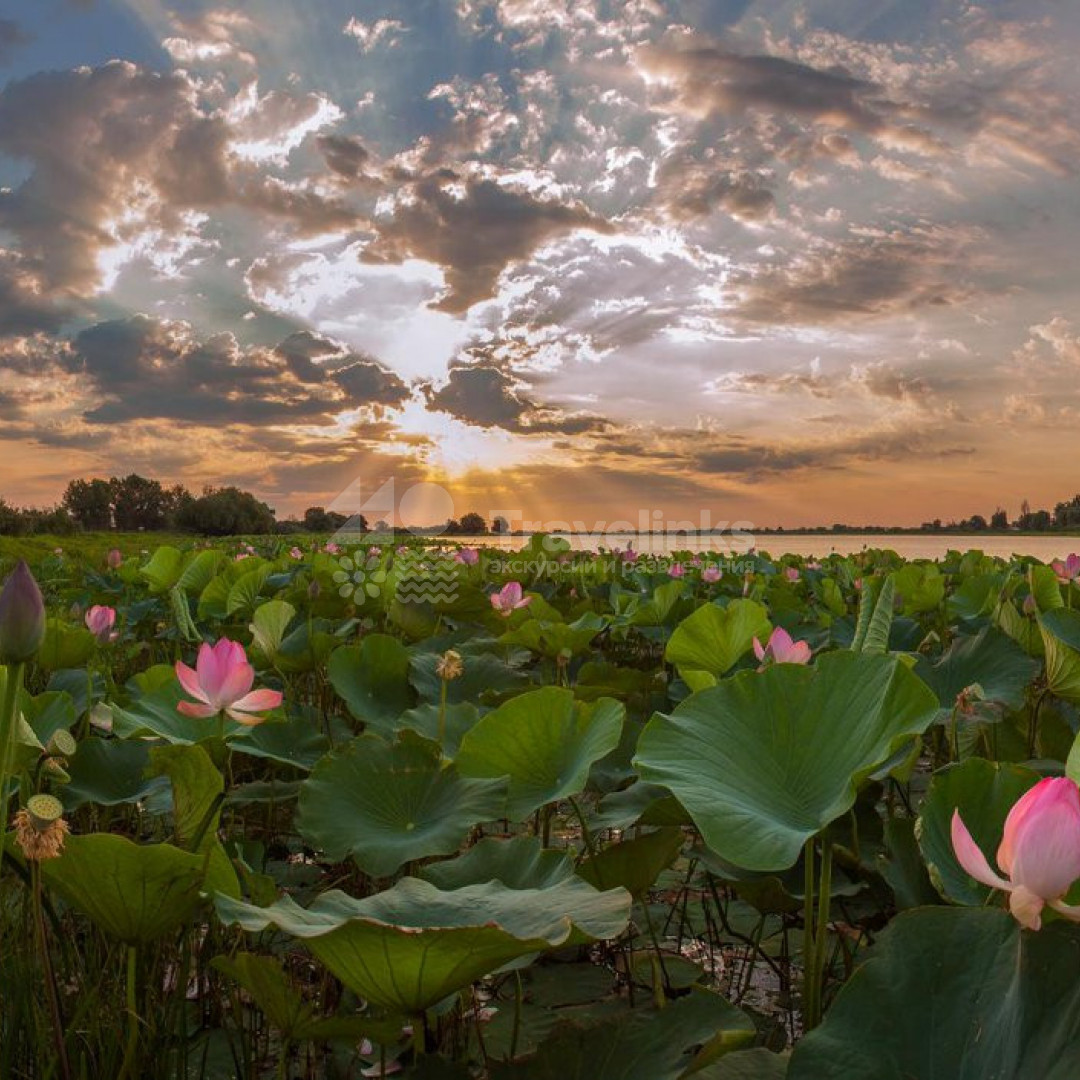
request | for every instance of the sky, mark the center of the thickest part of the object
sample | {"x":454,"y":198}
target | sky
{"x":786,"y":262}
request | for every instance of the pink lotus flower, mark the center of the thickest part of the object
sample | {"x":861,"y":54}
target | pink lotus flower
{"x":508,"y":599}
{"x":629,"y":555}
{"x":403,"y":550}
{"x":221,"y":682}
{"x":1040,"y":851}
{"x":331,"y":548}
{"x":676,"y":570}
{"x":791,"y":573}
{"x":468,"y":556}
{"x":240,"y":556}
{"x":114,"y":558}
{"x":100,"y":621}
{"x":295,"y":553}
{"x":782,"y":649}
{"x":711,"y":574}
{"x":1067,"y":570}
{"x":1030,"y":607}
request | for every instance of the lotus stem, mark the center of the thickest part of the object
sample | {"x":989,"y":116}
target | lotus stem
{"x":8,"y":728}
{"x":132,"y":1049}
{"x":47,"y":973}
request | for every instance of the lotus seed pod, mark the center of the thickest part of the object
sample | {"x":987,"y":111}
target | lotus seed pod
{"x":62,"y":744}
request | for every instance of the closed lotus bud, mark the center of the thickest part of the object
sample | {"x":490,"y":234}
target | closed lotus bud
{"x":22,"y":617}
{"x":114,"y":558}
{"x":313,"y":590}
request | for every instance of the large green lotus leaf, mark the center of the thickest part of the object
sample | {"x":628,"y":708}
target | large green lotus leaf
{"x":486,"y":677}
{"x":269,"y":625}
{"x":266,"y":981}
{"x":164,"y":568}
{"x":709,"y":642}
{"x":198,"y":790}
{"x":545,"y":742}
{"x":1045,"y":588}
{"x":372,"y":678}
{"x":519,"y":863}
{"x":294,"y":741}
{"x":954,"y":994}
{"x":425,"y":721}
{"x":633,"y":864}
{"x":1061,"y":637}
{"x":754,"y":1064}
{"x":388,"y":804}
{"x":199,"y":571}
{"x":48,"y":713}
{"x":991,"y":659}
{"x":108,"y":772}
{"x":65,"y":646}
{"x":1025,"y":632}
{"x":244,"y":592}
{"x":137,"y":893}
{"x":976,"y":596}
{"x":636,"y":1044}
{"x":984,"y":793}
{"x":767,"y":759}
{"x":407,"y":948}
{"x":920,"y":587}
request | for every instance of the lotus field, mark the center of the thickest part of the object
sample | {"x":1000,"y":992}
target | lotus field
{"x":294,"y":810}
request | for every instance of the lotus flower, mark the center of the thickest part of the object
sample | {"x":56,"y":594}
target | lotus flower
{"x":114,"y":558}
{"x":295,"y":553}
{"x":791,"y":573}
{"x":221,"y":682}
{"x":508,"y":599}
{"x":467,"y":555}
{"x":676,"y":570}
{"x":1067,"y":570}
{"x":100,"y":621}
{"x":711,"y":574}
{"x":782,"y":649}
{"x":1039,"y":852}
{"x":22,"y":617}
{"x":331,"y":548}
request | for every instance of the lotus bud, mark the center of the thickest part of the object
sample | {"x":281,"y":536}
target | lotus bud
{"x":1030,"y":607}
{"x":40,"y":828}
{"x":114,"y":559}
{"x":313,"y":590}
{"x":22,"y":617}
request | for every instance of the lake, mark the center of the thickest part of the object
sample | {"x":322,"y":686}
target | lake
{"x":910,"y":546}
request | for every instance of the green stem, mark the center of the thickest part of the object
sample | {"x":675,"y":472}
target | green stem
{"x":516,"y":1030}
{"x":132,"y":1049}
{"x":8,"y":725}
{"x":47,"y":974}
{"x":809,"y":976}
{"x":442,"y":716}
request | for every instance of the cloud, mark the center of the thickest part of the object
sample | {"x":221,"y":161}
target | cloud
{"x":474,"y":229}
{"x":488,"y":397}
{"x":150,"y":368}
{"x":1051,"y":346}
{"x":12,"y":36}
{"x":874,"y":273}
{"x":368,"y":35}
{"x":118,"y":155}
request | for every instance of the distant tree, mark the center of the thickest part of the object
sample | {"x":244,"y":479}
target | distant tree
{"x":999,"y":519}
{"x":90,"y":503}
{"x":1067,"y":514}
{"x":13,"y":521}
{"x":500,"y":525}
{"x":452,"y":528}
{"x":317,"y":519}
{"x":139,"y":503}
{"x":976,"y":523}
{"x":472,"y":524}
{"x":227,"y":511}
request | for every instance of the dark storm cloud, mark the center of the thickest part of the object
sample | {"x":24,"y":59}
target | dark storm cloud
{"x":473,"y":229}
{"x":147,"y":368}
{"x":24,"y":308}
{"x":488,"y":397}
{"x":695,"y":188}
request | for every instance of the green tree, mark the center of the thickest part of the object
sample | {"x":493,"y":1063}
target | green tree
{"x":90,"y":503}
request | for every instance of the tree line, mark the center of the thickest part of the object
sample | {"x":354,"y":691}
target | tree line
{"x":136,"y":503}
